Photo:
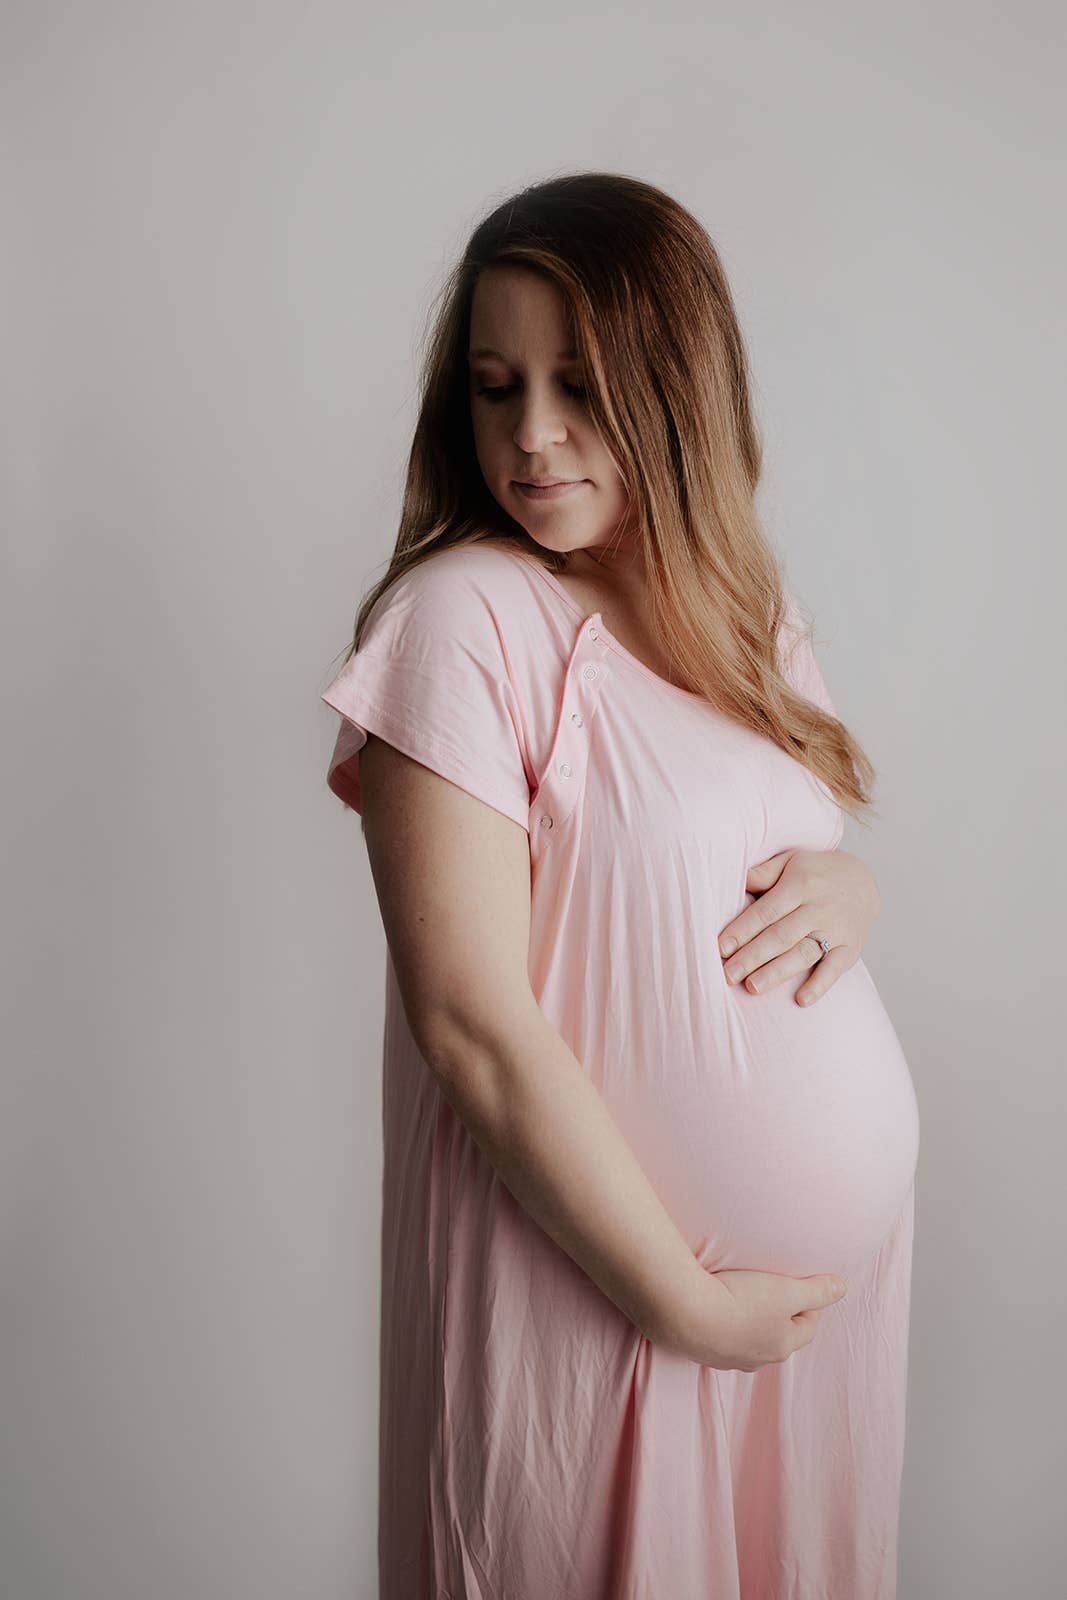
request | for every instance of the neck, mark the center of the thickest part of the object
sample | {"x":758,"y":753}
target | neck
{"x":622,"y":568}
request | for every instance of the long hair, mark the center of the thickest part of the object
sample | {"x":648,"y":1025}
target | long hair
{"x":666,"y":375}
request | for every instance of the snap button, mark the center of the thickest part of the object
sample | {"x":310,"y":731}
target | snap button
{"x":564,"y":769}
{"x":589,"y":671}
{"x":576,"y":718}
{"x":593,"y":634}
{"x":546,"y":822}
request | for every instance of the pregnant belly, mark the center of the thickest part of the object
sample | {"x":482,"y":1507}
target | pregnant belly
{"x":787,"y":1139}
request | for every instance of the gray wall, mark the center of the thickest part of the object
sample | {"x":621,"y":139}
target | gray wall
{"x":223,"y":228}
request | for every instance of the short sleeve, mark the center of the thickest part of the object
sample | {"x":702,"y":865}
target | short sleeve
{"x":798,"y":658}
{"x":432,"y":678}
{"x":802,"y":670}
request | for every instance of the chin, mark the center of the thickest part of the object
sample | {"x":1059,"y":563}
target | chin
{"x":558,"y":544}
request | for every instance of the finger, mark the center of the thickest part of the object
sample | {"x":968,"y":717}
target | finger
{"x":785,"y":932}
{"x":825,"y":974}
{"x":779,"y":902}
{"x":788,"y":965}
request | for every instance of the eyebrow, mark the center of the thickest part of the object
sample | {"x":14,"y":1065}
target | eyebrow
{"x":570,"y":354}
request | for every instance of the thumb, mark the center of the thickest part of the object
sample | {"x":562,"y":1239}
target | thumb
{"x":825,"y":1289}
{"x":764,"y":873}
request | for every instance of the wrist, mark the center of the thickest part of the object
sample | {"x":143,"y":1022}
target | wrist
{"x":689,"y":1318}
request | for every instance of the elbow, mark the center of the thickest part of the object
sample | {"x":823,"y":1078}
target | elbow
{"x":459,"y":1043}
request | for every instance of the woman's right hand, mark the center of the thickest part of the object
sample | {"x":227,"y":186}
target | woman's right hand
{"x":747,"y":1320}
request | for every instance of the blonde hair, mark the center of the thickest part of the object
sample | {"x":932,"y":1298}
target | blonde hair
{"x":666,"y":376}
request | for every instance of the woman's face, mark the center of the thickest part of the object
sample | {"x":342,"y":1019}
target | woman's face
{"x":531,"y":421}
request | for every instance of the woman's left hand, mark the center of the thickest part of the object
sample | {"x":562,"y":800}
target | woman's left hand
{"x":831,"y":893}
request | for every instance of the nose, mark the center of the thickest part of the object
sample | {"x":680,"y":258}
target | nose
{"x":539,"y":423}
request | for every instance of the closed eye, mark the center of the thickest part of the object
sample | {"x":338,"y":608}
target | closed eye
{"x":502,"y":390}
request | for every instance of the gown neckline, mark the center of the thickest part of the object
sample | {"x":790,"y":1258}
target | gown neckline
{"x":590,"y":616}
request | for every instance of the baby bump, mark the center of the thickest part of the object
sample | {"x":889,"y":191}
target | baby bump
{"x":786,"y":1138}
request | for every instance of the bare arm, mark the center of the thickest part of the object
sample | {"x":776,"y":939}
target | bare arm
{"x":452,"y":877}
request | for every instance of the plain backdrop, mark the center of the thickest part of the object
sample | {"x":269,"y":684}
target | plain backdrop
{"x":224,"y":226}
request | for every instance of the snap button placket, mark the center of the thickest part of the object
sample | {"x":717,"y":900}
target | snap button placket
{"x":571,"y":749}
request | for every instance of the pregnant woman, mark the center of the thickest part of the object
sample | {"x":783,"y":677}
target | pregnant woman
{"x":628,"y":1167}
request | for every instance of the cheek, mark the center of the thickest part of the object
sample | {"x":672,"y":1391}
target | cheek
{"x":491,"y":446}
{"x":601,"y":467}
{"x":610,"y":497}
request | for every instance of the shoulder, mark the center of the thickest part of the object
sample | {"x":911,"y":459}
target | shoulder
{"x":796,"y":653}
{"x":794,"y":627}
{"x":489,"y":570}
{"x":460,"y":585}
{"x":793,"y":619}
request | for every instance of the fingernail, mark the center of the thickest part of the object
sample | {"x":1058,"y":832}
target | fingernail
{"x":727,"y":946}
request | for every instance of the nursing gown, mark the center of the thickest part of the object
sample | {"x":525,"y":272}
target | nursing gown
{"x":534,"y":1445}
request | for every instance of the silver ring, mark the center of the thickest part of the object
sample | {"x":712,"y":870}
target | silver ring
{"x":824,"y":944}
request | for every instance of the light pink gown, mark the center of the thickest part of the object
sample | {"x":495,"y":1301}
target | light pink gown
{"x":533,"y":1444}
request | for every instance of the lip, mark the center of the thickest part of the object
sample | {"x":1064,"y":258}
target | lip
{"x":554,"y":490}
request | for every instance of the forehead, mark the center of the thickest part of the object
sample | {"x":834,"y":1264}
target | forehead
{"x":515,"y":312}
